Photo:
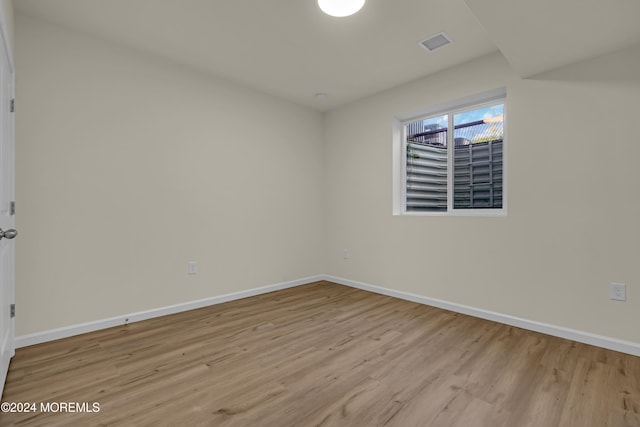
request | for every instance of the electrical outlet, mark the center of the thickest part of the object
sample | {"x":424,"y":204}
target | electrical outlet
{"x":192,"y":267}
{"x":618,"y":291}
{"x":345,"y":253}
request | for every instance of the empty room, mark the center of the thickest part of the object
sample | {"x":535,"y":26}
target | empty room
{"x":320,"y":213}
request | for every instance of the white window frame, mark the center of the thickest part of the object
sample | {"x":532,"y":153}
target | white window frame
{"x":451,"y":108}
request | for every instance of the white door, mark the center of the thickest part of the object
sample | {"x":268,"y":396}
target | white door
{"x":7,"y":218}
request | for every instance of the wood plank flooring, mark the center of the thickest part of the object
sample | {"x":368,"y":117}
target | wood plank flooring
{"x":324,"y":355}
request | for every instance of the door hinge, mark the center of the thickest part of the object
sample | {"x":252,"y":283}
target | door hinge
{"x":12,"y":105}
{"x":13,"y":310}
{"x":12,"y":208}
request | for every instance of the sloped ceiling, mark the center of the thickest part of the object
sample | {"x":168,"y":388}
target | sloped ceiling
{"x":541,"y":35}
{"x":290,"y":49}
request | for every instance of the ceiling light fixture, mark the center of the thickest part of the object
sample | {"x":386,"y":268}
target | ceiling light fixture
{"x":340,"y":8}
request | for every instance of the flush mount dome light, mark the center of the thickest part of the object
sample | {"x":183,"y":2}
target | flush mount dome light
{"x":340,"y":8}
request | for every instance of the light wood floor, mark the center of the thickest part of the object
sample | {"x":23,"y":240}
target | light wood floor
{"x":325,"y":355}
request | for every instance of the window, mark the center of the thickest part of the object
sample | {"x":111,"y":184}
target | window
{"x":453,"y":161}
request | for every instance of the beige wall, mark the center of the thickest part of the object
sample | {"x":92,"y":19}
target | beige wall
{"x":128,"y":167}
{"x":573,"y":205}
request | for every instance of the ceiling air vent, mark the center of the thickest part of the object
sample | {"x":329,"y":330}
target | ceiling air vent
{"x":435,"y":42}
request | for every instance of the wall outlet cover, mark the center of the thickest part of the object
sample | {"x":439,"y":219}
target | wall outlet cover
{"x":192,"y":267}
{"x":618,"y":291}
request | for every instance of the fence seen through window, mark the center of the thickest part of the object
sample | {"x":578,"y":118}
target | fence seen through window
{"x":470,"y":145}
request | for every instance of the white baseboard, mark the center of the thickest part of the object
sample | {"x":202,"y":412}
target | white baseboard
{"x":545,"y":328}
{"x":628,"y":347}
{"x":55,"y":334}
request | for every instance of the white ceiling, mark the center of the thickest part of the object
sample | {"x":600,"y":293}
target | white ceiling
{"x":290,"y":49}
{"x":540,"y":35}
